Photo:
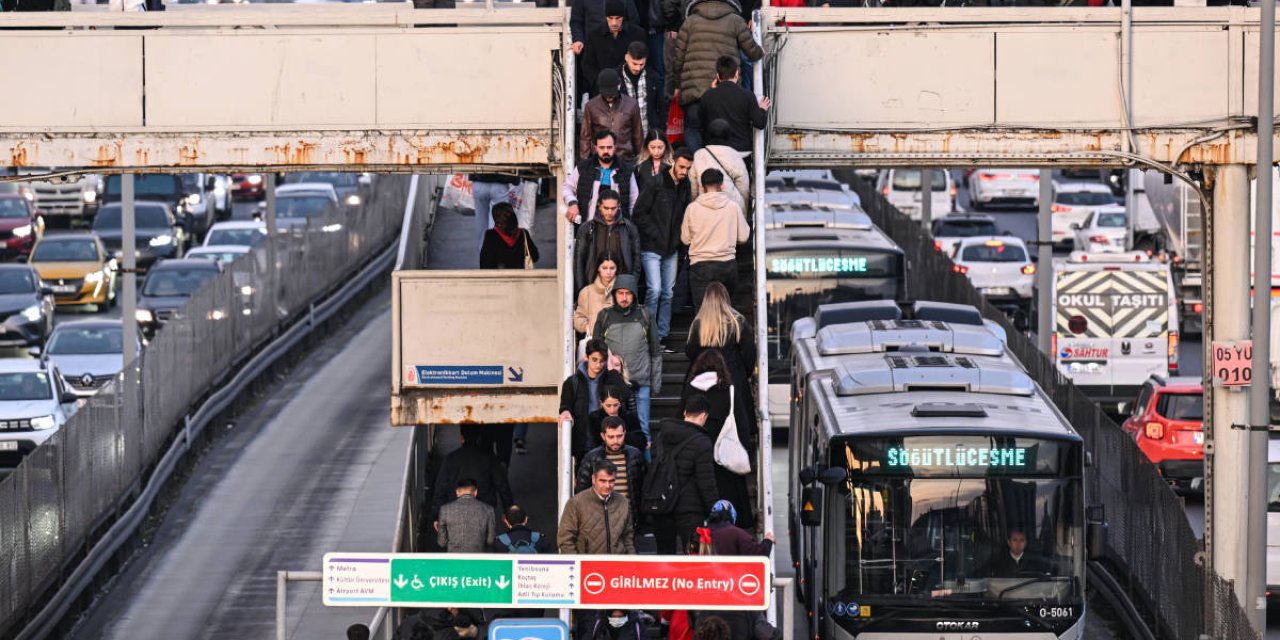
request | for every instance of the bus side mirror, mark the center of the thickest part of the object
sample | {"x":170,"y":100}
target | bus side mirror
{"x":807,"y":475}
{"x":1096,"y":532}
{"x":833,"y":475}
{"x":811,"y":506}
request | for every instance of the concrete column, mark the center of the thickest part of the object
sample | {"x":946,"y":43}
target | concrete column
{"x":1227,"y":480}
{"x":926,"y":199}
{"x":129,"y":284}
{"x":1044,"y":265}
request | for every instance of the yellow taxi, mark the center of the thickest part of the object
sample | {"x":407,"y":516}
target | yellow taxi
{"x":77,"y":268}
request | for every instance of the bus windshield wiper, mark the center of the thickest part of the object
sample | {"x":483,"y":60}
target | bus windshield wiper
{"x":1031,"y":581}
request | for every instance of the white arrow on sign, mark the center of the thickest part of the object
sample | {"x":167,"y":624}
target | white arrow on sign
{"x":400,"y":581}
{"x":503,"y":582}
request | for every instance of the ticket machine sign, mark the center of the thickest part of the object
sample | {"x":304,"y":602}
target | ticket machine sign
{"x":673,"y":581}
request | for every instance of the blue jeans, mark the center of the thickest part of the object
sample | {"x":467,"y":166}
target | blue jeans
{"x":660,"y":282}
{"x":693,"y":126}
{"x":521,"y":431}
{"x":642,"y":411}
{"x":486,"y":194}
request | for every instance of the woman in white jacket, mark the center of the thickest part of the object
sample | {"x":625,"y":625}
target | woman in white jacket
{"x":719,"y":155}
{"x":709,"y":376}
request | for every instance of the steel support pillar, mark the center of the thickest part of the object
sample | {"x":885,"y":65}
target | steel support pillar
{"x":926,"y":200}
{"x":1227,"y":483}
{"x":1044,"y":264}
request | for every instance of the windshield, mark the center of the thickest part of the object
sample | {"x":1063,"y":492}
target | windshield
{"x":335,"y":179}
{"x":14,"y":208}
{"x":799,"y":281}
{"x":237,"y":237}
{"x":964,"y":228}
{"x":1181,"y":406}
{"x":220,"y":256}
{"x":17,"y":281}
{"x":176,"y":282}
{"x":87,"y":341}
{"x":30,"y":385}
{"x":147,"y":184}
{"x":1006,"y":531}
{"x":144,"y":217}
{"x":1111,"y":220}
{"x":302,"y":206}
{"x":1084,"y":198}
{"x":80,"y":250}
{"x":993,"y":253}
{"x":909,"y":180}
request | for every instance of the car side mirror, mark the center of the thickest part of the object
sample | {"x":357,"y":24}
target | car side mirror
{"x":811,"y":506}
{"x":68,"y":397}
{"x":22,"y":259}
{"x":1075,"y":226}
{"x":1123,"y":408}
{"x":34,"y":351}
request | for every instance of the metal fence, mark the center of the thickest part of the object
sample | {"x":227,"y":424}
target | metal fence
{"x":58,"y":502}
{"x":1151,"y":547}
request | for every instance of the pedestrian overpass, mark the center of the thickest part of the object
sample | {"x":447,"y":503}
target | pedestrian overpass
{"x":385,"y":87}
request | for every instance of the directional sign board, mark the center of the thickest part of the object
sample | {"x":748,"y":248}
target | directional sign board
{"x":536,"y":582}
{"x":528,"y":629}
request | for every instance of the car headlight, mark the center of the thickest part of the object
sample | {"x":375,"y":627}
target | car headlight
{"x":353,"y":199}
{"x":143,"y":315}
{"x":90,"y":196}
{"x":95,"y":277}
{"x":42,"y":423}
{"x":32,"y":312}
{"x":193,"y":199}
{"x":161,"y":240}
{"x":331,"y":228}
{"x":23,"y":231}
{"x":254,"y":179}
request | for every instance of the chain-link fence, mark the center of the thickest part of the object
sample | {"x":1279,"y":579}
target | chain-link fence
{"x":66,"y":492}
{"x":1151,"y":547}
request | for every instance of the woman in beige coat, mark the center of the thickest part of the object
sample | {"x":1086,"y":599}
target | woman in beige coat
{"x":595,"y":296}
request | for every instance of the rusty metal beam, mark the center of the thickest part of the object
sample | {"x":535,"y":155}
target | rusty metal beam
{"x":1004,"y":147}
{"x":390,"y":151}
{"x":469,"y":405}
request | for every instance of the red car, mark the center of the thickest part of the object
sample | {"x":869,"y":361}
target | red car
{"x":1167,"y":421}
{"x":248,"y":186}
{"x":20,"y":227}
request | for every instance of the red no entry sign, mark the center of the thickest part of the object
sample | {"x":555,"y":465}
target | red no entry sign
{"x":673,"y":582}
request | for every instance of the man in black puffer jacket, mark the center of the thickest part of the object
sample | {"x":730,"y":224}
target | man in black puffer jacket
{"x":693,"y":456}
{"x":659,"y":214}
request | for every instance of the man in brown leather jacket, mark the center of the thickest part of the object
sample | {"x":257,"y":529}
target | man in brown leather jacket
{"x":611,"y":111}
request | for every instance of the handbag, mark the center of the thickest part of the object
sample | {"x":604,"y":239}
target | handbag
{"x":675,"y":123}
{"x":528,"y":258}
{"x":729,"y":451}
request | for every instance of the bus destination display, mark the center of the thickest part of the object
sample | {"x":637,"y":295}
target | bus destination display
{"x":960,"y":456}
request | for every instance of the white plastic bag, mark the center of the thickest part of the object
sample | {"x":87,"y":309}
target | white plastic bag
{"x":457,"y":193}
{"x":524,"y":197}
{"x":729,"y":451}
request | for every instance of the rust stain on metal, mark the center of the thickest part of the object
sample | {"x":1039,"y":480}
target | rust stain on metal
{"x":18,"y":156}
{"x":142,"y":156}
{"x":188,"y":154}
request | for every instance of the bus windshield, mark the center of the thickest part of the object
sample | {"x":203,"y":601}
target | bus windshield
{"x":800,"y":280}
{"x":959,"y":522}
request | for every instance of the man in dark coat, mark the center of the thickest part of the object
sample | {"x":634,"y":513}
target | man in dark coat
{"x":613,"y":112}
{"x":643,"y":83}
{"x":580,"y":393}
{"x":473,"y":460}
{"x":628,"y":460}
{"x":659,"y":214}
{"x":608,"y":233}
{"x":603,"y":170}
{"x":734,"y":104}
{"x":606,"y":48}
{"x":689,"y":449}
{"x":588,"y":16}
{"x":1015,"y":561}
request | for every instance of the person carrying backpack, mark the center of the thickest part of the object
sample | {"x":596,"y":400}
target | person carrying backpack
{"x":632,"y":335}
{"x":680,"y":487}
{"x":519,"y":538}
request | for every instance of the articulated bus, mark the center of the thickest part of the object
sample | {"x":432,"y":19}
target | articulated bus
{"x":935,"y":490}
{"x":820,"y":255}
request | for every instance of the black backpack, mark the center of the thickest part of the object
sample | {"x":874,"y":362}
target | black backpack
{"x":660,"y":488}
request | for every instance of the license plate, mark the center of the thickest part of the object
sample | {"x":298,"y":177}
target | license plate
{"x":8,"y":445}
{"x":997,"y":291}
{"x":64,"y":288}
{"x":1198,"y":437}
{"x":1018,"y":192}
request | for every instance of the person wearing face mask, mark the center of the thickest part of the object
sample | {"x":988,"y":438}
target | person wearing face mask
{"x":613,"y":625}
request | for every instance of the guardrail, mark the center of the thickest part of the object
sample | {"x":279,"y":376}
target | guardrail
{"x":76,"y":500}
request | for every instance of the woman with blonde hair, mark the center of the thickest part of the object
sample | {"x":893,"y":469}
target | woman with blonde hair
{"x":719,"y":326}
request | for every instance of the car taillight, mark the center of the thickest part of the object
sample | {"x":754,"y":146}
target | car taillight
{"x":1053,"y":343}
{"x":1197,"y":307}
{"x":937,"y":245}
{"x":1029,"y":270}
{"x":1057,"y":208}
{"x":1155,"y":430}
{"x":986,"y":177}
{"x":953,"y":192}
{"x":1099,"y":239}
{"x":959,"y":268}
{"x":1173,"y":351}
{"x":885,"y":191}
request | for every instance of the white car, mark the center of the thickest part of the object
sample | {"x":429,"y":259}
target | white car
{"x":1001,"y":269}
{"x":949,"y":231}
{"x":818,"y":192}
{"x":34,"y":404}
{"x":225,"y":253}
{"x":1104,"y":231}
{"x":1072,"y":202}
{"x":901,"y":187}
{"x":243,"y":233}
{"x":296,"y":203}
{"x":1004,"y":186}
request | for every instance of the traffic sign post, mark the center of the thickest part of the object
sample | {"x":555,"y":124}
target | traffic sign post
{"x":536,"y":582}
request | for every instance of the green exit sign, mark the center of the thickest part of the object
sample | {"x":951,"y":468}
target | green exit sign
{"x":454,"y":581}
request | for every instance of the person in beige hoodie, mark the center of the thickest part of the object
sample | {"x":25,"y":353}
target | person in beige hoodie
{"x":713,"y":227}
{"x":595,"y":296}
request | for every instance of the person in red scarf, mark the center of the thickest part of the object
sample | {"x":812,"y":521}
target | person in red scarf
{"x":506,"y":244}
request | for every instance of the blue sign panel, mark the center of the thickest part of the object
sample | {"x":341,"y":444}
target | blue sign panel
{"x":528,"y":629}
{"x":460,"y":374}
